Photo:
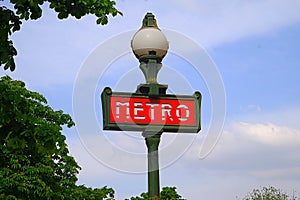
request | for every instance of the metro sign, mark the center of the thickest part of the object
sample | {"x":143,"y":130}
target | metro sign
{"x":137,"y":112}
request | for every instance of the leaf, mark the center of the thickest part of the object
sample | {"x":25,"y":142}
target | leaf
{"x":16,"y":143}
{"x":12,"y":65}
{"x":102,"y":20}
{"x":62,"y":15}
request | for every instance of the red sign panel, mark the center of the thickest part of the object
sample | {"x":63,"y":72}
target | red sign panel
{"x":138,"y":112}
{"x":152,"y":111}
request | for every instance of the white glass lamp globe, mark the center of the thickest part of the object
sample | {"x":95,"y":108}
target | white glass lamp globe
{"x":149,"y":41}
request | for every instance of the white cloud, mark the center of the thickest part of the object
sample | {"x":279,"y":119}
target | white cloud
{"x":268,"y":134}
{"x":248,"y":156}
{"x":213,"y":23}
{"x":251,"y":108}
{"x":245,"y":148}
{"x":286,"y":173}
{"x":286,"y":116}
{"x":253,"y":149}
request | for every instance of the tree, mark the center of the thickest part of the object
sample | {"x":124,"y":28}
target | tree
{"x":35,"y":161}
{"x":11,"y":20}
{"x":167,"y":193}
{"x":268,"y":193}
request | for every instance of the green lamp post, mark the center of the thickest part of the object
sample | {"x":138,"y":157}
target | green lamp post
{"x":150,"y":109}
{"x":150,"y":46}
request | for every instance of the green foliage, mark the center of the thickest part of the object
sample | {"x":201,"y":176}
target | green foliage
{"x":34,"y":156}
{"x":10,"y":20}
{"x":268,"y":193}
{"x":144,"y":196}
{"x":82,"y":192}
{"x":167,"y":193}
{"x":9,"y":23}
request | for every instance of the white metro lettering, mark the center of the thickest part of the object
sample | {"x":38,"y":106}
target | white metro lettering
{"x":152,"y":105}
{"x":166,"y":109}
{"x":138,"y":107}
{"x":182,"y":107}
{"x":118,"y":104}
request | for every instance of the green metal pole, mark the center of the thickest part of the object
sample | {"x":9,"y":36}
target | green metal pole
{"x":150,"y":65}
{"x":152,"y":142}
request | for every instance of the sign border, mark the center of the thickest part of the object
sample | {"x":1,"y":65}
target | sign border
{"x":119,"y":126}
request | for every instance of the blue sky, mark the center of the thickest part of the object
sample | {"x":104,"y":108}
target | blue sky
{"x":255,"y":46}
